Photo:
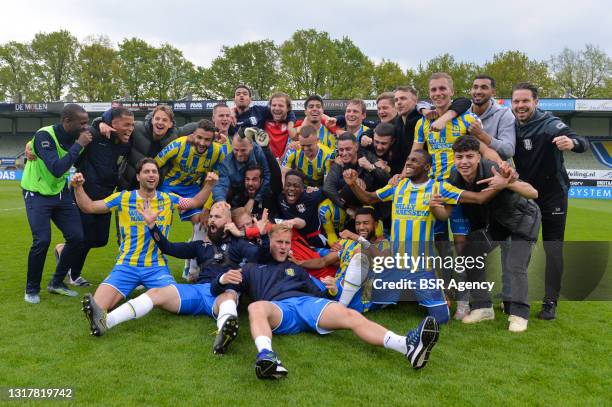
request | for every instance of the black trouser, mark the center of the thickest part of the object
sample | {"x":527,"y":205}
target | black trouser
{"x":517,"y":263}
{"x":95,"y":234}
{"x":554,"y":217}
{"x":41,"y":210}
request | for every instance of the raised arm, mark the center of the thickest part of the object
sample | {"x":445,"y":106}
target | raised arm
{"x":83,"y":200}
{"x":350,"y":177}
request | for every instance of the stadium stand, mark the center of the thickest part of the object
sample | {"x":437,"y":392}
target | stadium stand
{"x":603,"y":152}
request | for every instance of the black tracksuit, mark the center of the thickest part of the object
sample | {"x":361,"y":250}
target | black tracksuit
{"x":540,"y":163}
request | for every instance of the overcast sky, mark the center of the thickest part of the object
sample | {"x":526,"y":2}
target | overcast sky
{"x":407,"y":32}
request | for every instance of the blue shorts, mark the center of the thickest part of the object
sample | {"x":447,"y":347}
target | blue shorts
{"x":196,"y":299}
{"x":124,"y":278}
{"x":300,"y":314}
{"x":184,"y":192}
{"x":460,"y":225}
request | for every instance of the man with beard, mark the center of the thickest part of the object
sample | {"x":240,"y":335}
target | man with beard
{"x":497,"y":120}
{"x":541,"y":139}
{"x":232,"y":170}
{"x":311,"y":158}
{"x":139,"y":260}
{"x":382,"y":145}
{"x":47,"y":198}
{"x":299,"y":209}
{"x":223,"y":252}
{"x":351,"y":274}
{"x":100,"y":164}
{"x":287,"y":301}
{"x":342,"y":201}
{"x":186,"y":161}
{"x":253,"y":178}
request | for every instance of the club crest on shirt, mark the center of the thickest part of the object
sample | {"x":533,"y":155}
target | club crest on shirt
{"x":301,"y":208}
{"x":290,"y":272}
{"x":528,"y":145}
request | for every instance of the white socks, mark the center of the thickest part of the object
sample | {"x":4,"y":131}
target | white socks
{"x":353,"y":278}
{"x":263,"y":342}
{"x":226,"y":308}
{"x":134,"y":308}
{"x":199,"y":233}
{"x":395,"y":342}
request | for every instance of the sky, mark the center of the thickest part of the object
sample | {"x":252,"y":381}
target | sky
{"x":407,"y":32}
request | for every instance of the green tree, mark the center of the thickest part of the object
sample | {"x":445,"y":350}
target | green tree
{"x":17,"y":79}
{"x":352,"y":71}
{"x":54,"y":56}
{"x":97,"y":71}
{"x":387,"y":76}
{"x":172,"y":74}
{"x":461,"y":72}
{"x":511,"y":67}
{"x":137,"y":61}
{"x":583,"y":73}
{"x":307,"y":63}
{"x":255,"y":64}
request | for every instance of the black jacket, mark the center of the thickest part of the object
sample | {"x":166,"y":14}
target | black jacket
{"x":539,"y":161}
{"x":100,"y":163}
{"x":507,"y":214}
{"x":273,"y":282}
{"x":214,"y":259}
{"x":143,"y":145}
{"x":340,"y":194}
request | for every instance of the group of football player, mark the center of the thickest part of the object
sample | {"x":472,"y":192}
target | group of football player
{"x":291,"y":215}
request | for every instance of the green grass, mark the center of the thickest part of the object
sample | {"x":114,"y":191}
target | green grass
{"x":164,"y":359}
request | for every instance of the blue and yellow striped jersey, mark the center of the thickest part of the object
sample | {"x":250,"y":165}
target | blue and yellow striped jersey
{"x":327,"y":138}
{"x":315,"y":170}
{"x":187,"y":167}
{"x":360,"y":132}
{"x":347,"y":251}
{"x":137,"y":247}
{"x":439,"y":144}
{"x":333,"y":219}
{"x":412,"y":230}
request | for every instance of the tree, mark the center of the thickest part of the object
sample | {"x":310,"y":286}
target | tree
{"x":511,"y":67}
{"x":255,"y":64}
{"x":307,"y":63}
{"x":97,"y":71}
{"x":461,"y":72}
{"x":54,"y":57}
{"x":17,"y":79}
{"x":137,"y":59}
{"x":582,"y":74}
{"x":352,"y":71}
{"x":387,"y":76}
{"x":172,"y":74}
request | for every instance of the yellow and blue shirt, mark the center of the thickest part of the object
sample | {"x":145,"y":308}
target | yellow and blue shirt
{"x":314,"y":170}
{"x":347,"y":250}
{"x":412,"y":221}
{"x":440,"y":143}
{"x":137,"y":247}
{"x":327,"y":138}
{"x":187,"y":167}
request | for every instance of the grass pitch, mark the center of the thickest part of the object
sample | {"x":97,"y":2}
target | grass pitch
{"x":163,"y":359}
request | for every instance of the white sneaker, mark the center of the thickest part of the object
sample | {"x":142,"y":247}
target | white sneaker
{"x":479,"y":315}
{"x":517,"y":324}
{"x":462,"y":311}
{"x":32,"y":298}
